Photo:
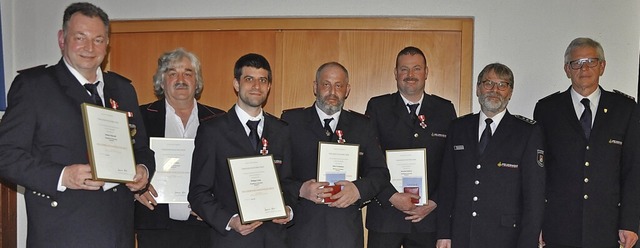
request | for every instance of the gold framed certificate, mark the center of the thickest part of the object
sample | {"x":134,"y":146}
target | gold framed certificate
{"x":109,"y":144}
{"x":408,"y":171}
{"x":257,"y":188}
{"x":173,"y":168}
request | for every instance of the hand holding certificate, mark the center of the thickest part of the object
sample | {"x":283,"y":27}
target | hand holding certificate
{"x":408,"y":170}
{"x":337,"y":162}
{"x":257,"y":188}
{"x":109,"y":144}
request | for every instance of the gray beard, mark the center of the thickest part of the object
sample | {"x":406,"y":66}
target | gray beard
{"x":328,"y":109}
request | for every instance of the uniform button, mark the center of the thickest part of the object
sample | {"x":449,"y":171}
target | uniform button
{"x":477,"y":182}
{"x":474,"y":214}
{"x":38,"y":194}
{"x":416,"y":135}
{"x":545,"y":200}
{"x":475,"y":198}
{"x":586,"y":197}
{"x":34,"y":192}
{"x":586,"y":180}
{"x":586,"y":163}
{"x":54,"y":204}
{"x":514,"y":225}
{"x":115,"y":190}
{"x":478,"y":166}
{"x":587,"y":148}
{"x":618,"y":204}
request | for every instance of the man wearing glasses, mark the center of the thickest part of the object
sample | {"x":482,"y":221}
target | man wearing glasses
{"x":491,"y":191}
{"x":593,"y":193}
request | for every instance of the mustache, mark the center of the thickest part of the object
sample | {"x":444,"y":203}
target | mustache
{"x":180,"y":85}
{"x":407,"y":79}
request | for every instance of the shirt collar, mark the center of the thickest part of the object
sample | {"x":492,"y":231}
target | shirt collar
{"x":406,"y":101}
{"x":174,"y":127}
{"x":82,"y":79}
{"x":494,"y":125}
{"x":244,"y":117}
{"x":322,"y":115}
{"x":594,"y":99}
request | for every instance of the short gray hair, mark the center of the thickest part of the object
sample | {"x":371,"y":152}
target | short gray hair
{"x":583,"y":42}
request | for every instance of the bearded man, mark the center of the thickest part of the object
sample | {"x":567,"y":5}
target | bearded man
{"x":493,"y":177}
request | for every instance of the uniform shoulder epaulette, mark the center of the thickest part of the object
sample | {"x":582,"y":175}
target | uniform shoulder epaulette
{"x":469,"y":114}
{"x":525,"y":119}
{"x":33,"y":69}
{"x":439,"y":98}
{"x":268,"y":114}
{"x":356,"y":113}
{"x":625,"y":95}
{"x":293,"y":109}
{"x":550,"y":95}
{"x":116,"y":76}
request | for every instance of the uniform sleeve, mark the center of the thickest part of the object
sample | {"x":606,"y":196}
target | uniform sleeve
{"x":533,"y":189}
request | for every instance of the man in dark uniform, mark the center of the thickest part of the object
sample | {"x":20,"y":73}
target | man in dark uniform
{"x":237,"y":134}
{"x":43,"y":144}
{"x":409,"y":118}
{"x":593,"y":182}
{"x":492,"y":185}
{"x":177,"y":83}
{"x":338,"y":224}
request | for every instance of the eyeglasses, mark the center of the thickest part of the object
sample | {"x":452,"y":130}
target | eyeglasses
{"x":488,"y":85}
{"x":578,"y":63}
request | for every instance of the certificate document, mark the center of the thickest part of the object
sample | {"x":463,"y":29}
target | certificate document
{"x":257,"y":188}
{"x":173,"y":168}
{"x":109,"y":144}
{"x":408,"y":170}
{"x":337,"y":162}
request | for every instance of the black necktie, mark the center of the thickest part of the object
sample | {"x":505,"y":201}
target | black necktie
{"x":327,"y":128}
{"x":93,"y":89}
{"x":412,"y":110}
{"x":253,"y":134}
{"x":486,"y":136}
{"x":585,"y":118}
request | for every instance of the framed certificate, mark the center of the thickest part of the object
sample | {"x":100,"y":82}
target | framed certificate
{"x":109,"y":144}
{"x":173,"y":168}
{"x":337,"y":162}
{"x":408,"y":170}
{"x":257,"y":188}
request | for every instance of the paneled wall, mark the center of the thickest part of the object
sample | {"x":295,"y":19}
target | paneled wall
{"x":296,"y":48}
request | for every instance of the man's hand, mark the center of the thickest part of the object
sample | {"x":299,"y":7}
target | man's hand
{"x":148,"y":198}
{"x":285,"y":220}
{"x":313,"y":191}
{"x":402,"y":201}
{"x":627,"y":238}
{"x":245,"y":230}
{"x":347,"y":196}
{"x":78,"y":176}
{"x":443,"y":243}
{"x":420,"y":212}
{"x":140,"y":180}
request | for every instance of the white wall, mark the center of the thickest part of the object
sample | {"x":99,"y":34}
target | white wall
{"x":528,"y":36}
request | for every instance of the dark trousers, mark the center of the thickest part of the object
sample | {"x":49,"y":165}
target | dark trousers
{"x":179,"y":234}
{"x":406,"y":240}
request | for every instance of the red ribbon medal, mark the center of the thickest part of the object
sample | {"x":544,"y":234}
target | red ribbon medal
{"x":264,"y":150}
{"x":421,"y":118}
{"x":340,"y":134}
